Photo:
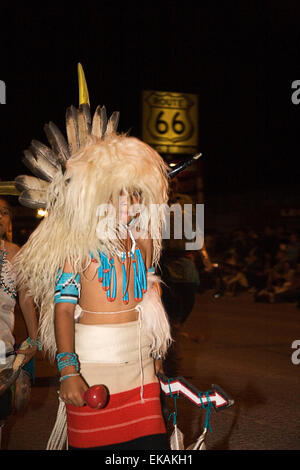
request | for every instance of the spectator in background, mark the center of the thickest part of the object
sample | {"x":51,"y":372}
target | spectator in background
{"x":292,"y":251}
{"x":8,"y":297}
{"x":256,"y":270}
{"x":279,"y":266}
{"x":290,"y":290}
{"x":279,"y":281}
{"x":281,"y":235}
{"x":240,"y":243}
{"x":234,"y":278}
{"x":268,"y":244}
{"x":179,"y":269}
{"x":253,"y":238}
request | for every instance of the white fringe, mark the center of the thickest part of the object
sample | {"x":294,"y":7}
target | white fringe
{"x":58,"y":439}
{"x":155,"y":318}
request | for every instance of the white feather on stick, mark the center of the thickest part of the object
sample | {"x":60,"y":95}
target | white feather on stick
{"x":176,"y":439}
{"x":199,"y":444}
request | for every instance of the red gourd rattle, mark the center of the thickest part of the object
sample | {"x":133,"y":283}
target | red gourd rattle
{"x":96,"y":396}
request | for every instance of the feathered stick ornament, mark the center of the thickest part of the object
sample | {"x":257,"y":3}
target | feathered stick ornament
{"x":216,"y":398}
{"x":183,"y":165}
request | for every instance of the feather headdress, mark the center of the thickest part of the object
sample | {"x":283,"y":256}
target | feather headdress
{"x":73,"y":179}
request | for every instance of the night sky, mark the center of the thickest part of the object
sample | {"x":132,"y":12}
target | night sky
{"x":240,"y":57}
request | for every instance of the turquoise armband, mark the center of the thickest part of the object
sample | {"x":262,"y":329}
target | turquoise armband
{"x":67,"y":288}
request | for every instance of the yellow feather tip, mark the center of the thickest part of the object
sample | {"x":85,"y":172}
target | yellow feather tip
{"x":83,"y":89}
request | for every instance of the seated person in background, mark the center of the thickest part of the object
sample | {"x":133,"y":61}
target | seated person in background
{"x":279,"y":282}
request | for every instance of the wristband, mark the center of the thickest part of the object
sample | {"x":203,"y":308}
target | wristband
{"x":64,"y":377}
{"x":67,"y":359}
{"x":33,"y":343}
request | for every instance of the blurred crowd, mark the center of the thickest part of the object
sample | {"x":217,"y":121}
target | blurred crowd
{"x":266,"y":264}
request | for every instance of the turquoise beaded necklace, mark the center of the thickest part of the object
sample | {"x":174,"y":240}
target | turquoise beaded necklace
{"x":107,"y":273}
{"x":6,"y":282}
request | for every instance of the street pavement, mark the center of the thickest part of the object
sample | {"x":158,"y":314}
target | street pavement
{"x":243,"y":346}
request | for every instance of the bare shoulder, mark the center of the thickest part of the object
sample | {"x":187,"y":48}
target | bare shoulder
{"x":12,"y":249}
{"x":68,"y":268}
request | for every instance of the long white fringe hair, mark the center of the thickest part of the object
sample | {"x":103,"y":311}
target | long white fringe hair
{"x":96,"y":175}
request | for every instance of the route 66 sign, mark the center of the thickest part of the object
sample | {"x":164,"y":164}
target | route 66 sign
{"x":170,"y":121}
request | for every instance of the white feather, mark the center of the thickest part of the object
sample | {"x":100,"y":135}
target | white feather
{"x":176,"y":439}
{"x":199,"y":444}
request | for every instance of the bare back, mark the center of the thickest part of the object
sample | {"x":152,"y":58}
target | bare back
{"x":93,"y":297}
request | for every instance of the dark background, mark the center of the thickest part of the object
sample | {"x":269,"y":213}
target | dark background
{"x":240,"y":57}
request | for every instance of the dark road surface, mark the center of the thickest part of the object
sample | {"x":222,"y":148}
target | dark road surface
{"x":244,"y":347}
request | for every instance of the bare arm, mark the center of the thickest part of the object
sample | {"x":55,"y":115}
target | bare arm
{"x":27,"y":309}
{"x":206,"y":260}
{"x":158,"y":364}
{"x":64,"y":328}
{"x":31,"y":321}
{"x":64,"y":322}
{"x":29,"y":313}
{"x":72,"y":388}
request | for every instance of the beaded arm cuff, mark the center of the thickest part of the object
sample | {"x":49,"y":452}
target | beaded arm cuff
{"x":67,"y":288}
{"x":67,"y":359}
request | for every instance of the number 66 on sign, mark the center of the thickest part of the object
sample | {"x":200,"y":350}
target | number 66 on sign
{"x":170,"y":121}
